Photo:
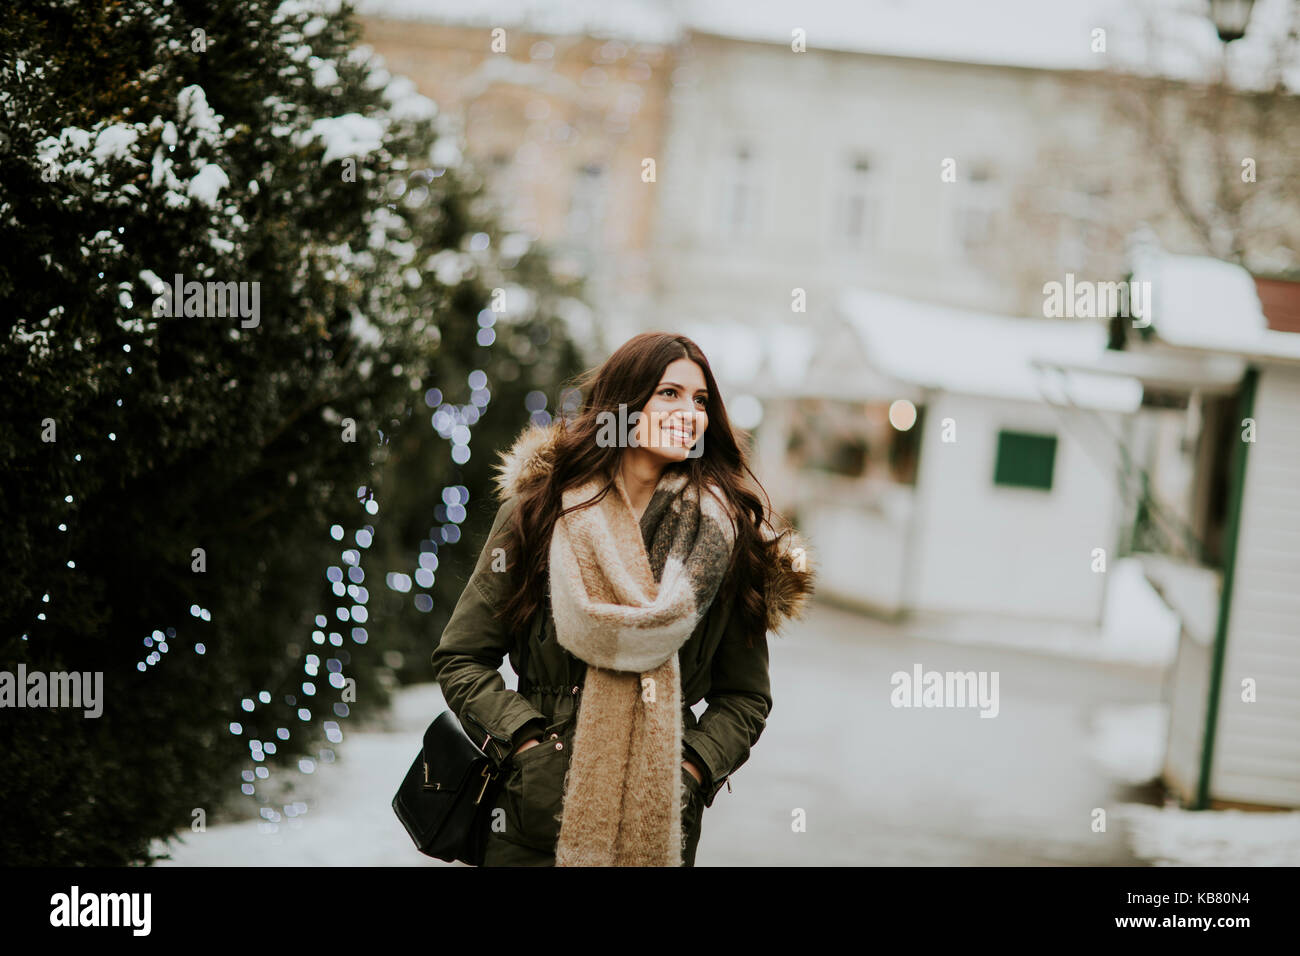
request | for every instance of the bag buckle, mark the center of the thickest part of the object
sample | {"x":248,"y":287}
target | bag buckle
{"x":487,"y":776}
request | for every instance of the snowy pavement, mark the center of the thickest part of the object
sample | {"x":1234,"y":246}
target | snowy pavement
{"x":872,"y":783}
{"x":350,"y":821}
{"x":921,"y":786}
{"x":1221,"y":838}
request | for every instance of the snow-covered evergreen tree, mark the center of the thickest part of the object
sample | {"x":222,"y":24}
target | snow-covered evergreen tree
{"x":192,"y":484}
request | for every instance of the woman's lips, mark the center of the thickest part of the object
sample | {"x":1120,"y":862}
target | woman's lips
{"x":680,"y":435}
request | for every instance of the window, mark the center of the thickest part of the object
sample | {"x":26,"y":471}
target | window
{"x":509,"y":191}
{"x":1081,"y":234}
{"x":973,"y":212}
{"x":857,"y":216}
{"x":587,"y":204}
{"x":739,"y":212}
{"x":1025,"y":460}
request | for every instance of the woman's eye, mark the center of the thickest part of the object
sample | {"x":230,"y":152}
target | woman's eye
{"x":701,"y":399}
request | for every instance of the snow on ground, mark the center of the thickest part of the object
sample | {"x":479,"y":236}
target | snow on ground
{"x":1137,"y":628}
{"x":1128,"y":743}
{"x":350,"y":820}
{"x":875,"y":784}
{"x":1173,"y":837}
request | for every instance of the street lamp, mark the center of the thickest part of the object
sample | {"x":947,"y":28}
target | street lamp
{"x":1230,"y":18}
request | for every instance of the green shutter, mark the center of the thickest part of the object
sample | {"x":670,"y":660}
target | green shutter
{"x":1025,"y":460}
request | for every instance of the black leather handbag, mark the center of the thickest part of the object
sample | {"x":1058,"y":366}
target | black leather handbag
{"x":444,"y":800}
{"x":447,"y":796}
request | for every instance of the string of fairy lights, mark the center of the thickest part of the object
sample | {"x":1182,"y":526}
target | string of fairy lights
{"x":347,"y":579}
{"x":315,"y":679}
{"x":451,"y":422}
{"x":455,"y":424}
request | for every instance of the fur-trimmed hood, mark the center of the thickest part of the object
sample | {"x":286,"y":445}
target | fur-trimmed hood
{"x":532,"y":456}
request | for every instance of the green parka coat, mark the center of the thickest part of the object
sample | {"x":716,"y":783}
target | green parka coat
{"x":716,"y":666}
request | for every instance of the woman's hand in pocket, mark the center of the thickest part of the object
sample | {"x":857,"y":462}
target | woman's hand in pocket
{"x":527,"y":744}
{"x":694,"y":771}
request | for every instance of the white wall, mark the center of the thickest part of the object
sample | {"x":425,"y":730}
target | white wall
{"x":1023,"y":551}
{"x":861,"y":552}
{"x":805,"y":116}
{"x":1257,"y":749}
{"x":1188,"y":691}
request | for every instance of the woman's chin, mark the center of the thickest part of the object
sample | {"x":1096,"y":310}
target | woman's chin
{"x":671,"y":453}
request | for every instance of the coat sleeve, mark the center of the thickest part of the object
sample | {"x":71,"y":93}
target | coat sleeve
{"x":467,"y":660}
{"x":739,"y":701}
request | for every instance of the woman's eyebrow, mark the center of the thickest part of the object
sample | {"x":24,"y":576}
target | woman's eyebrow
{"x":679,"y":388}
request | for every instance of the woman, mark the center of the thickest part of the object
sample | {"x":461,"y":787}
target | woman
{"x":629,"y":573}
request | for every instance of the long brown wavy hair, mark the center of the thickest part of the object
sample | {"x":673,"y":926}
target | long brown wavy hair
{"x":629,"y":378}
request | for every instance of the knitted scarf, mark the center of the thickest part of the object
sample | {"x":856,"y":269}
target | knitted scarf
{"x":625,"y":597}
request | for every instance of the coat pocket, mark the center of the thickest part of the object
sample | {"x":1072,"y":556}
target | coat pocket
{"x":535,"y":794}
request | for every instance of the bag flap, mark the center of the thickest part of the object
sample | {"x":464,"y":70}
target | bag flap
{"x":451,"y":758}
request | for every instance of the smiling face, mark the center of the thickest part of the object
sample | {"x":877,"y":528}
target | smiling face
{"x":674,"y":419}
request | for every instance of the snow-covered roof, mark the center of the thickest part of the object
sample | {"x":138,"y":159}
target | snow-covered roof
{"x":1209,"y":373}
{"x":1210,"y":305}
{"x":975,"y":353}
{"x":1030,"y":33}
{"x":1165,"y":37}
